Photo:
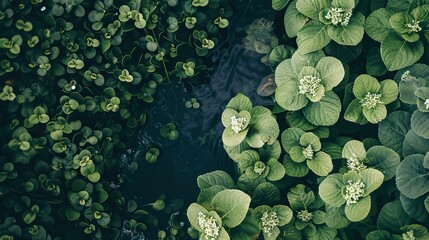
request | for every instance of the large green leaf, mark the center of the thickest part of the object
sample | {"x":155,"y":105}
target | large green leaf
{"x":415,"y":208}
{"x":279,"y":54}
{"x":393,"y":129}
{"x":383,"y":159}
{"x":375,"y":115}
{"x":412,"y":179}
{"x":293,"y":168}
{"x":330,"y":190}
{"x":335,"y":217}
{"x":349,"y":35}
{"x":239,"y":103}
{"x":293,"y":20}
{"x":364,"y":84}
{"x":311,"y":8}
{"x":354,"y":113}
{"x":377,"y":24}
{"x":297,"y":120}
{"x":284,"y":73}
{"x":413,"y":144}
{"x":378,"y":235}
{"x":321,"y":164}
{"x":263,"y":130}
{"x":358,"y":211}
{"x":300,"y":197}
{"x":354,"y":149}
{"x":313,"y":36}
{"x":372,"y":178}
{"x":392,"y":217}
{"x":324,"y":233}
{"x":420,"y":123}
{"x":266,"y":193}
{"x":397,"y":53}
{"x":326,"y":112}
{"x":279,"y":4}
{"x":277,"y":171}
{"x":215,"y":178}
{"x":389,"y":91}
{"x":331,"y":72}
{"x":232,"y":206}
{"x":288,"y":97}
{"x":247,"y":230}
{"x":290,"y":138}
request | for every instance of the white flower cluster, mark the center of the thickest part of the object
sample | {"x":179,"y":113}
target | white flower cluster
{"x":371,"y":100}
{"x":408,"y":235}
{"x":309,"y":84}
{"x":237,"y":124}
{"x":269,"y":222}
{"x":305,"y":215}
{"x":354,"y":163}
{"x":208,"y":224}
{"x":338,"y":15}
{"x":354,"y":191}
{"x":308,"y":152}
{"x":414,"y":26}
{"x":427,"y":103}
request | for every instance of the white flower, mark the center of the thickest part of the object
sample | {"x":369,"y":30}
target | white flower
{"x":308,"y":152}
{"x":305,"y":215}
{"x":338,"y":15}
{"x":354,"y":163}
{"x":371,"y":100}
{"x":309,"y":84}
{"x":209,"y":226}
{"x":427,"y":103}
{"x":354,"y":191}
{"x":237,"y":124}
{"x":414,"y":26}
{"x":269,"y":222}
{"x":408,"y":235}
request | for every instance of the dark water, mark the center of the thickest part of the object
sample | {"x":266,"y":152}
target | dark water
{"x":199,"y":147}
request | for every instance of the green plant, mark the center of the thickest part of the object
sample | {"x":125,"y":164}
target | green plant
{"x":364,"y":139}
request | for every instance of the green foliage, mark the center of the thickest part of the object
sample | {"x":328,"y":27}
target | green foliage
{"x":354,"y":172}
{"x":75,"y":81}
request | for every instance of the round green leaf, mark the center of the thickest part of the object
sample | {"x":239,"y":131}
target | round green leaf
{"x":193,"y":210}
{"x":293,"y":20}
{"x":321,"y":164}
{"x":215,"y":178}
{"x":354,"y":113}
{"x":375,"y":115}
{"x":326,"y":112}
{"x":239,"y":103}
{"x":412,"y":179}
{"x":297,"y":120}
{"x":331,"y":72}
{"x":266,"y":193}
{"x":230,"y":138}
{"x":372,"y":178}
{"x":284,"y":213}
{"x":290,"y":138}
{"x":313,"y":36}
{"x":415,"y":208}
{"x":296,"y":154}
{"x":311,"y":8}
{"x":330,"y":190}
{"x":393,"y":129}
{"x":364,"y":84}
{"x":383,"y":159}
{"x":397,"y":53}
{"x":377,"y":24}
{"x":389,"y":91}
{"x":392,"y":217}
{"x":284,"y":72}
{"x":293,"y":168}
{"x":280,"y":53}
{"x":413,"y":144}
{"x":420,"y":123}
{"x":277,"y":171}
{"x":288,"y":97}
{"x":354,"y":149}
{"x":232,"y":206}
{"x":264,"y":129}
{"x":351,"y":34}
{"x":358,"y":211}
{"x":300,"y":197}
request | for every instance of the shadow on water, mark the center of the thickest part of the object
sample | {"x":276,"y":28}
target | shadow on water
{"x":199,"y":147}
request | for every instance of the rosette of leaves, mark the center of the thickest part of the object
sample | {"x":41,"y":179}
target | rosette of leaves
{"x":399,"y":29}
{"x":303,"y":153}
{"x":228,"y":209}
{"x":378,"y":157}
{"x":310,"y":221}
{"x":305,"y":82}
{"x":371,"y":99}
{"x":83,"y":161}
{"x":337,"y":20}
{"x":270,"y":219}
{"x":413,"y":85}
{"x":351,"y":191}
{"x":254,"y":167}
{"x":243,"y":122}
